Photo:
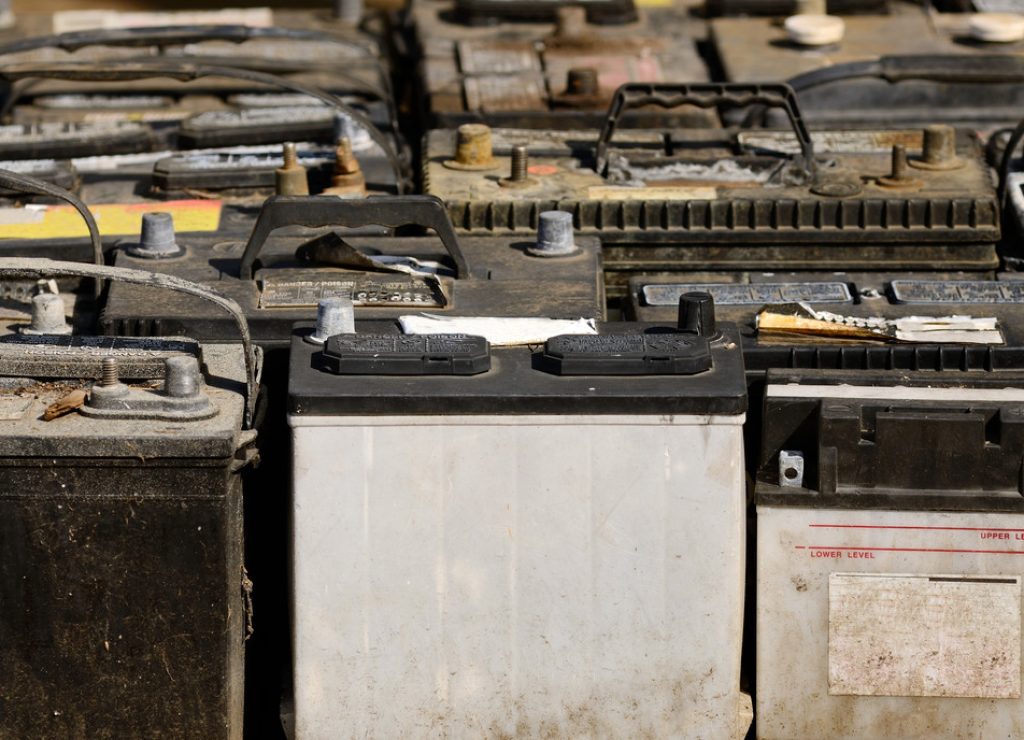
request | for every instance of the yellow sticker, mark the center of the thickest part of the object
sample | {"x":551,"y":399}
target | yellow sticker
{"x":614,"y":192}
{"x":113,"y":219}
{"x":654,"y":3}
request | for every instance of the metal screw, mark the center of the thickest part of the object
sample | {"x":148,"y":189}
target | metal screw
{"x":899,"y":177}
{"x":519,"y":172}
{"x":291,"y":156}
{"x":109,"y":376}
{"x":899,"y":162}
{"x":291,"y":177}
{"x":333,"y":316}
{"x":346,"y":128}
{"x":555,"y":237}
{"x":520,"y":163}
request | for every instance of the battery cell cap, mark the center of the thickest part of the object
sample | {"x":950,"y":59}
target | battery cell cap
{"x":815,"y":30}
{"x":405,"y":354}
{"x":996,"y":28}
{"x":664,"y":353}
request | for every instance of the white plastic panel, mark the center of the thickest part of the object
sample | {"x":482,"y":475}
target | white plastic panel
{"x":518,"y":576}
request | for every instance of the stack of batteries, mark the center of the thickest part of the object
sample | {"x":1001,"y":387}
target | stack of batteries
{"x":481,"y":368}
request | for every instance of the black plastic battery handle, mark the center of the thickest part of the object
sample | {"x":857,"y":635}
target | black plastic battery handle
{"x":321,"y":211}
{"x":706,"y":95}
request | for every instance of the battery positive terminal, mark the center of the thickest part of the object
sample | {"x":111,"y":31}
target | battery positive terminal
{"x":47,"y":316}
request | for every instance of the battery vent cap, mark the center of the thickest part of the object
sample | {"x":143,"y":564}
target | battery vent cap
{"x":406,"y":354}
{"x":664,"y":353}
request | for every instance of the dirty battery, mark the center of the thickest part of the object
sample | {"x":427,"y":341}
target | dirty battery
{"x":908,"y":66}
{"x":299,"y":253}
{"x":749,"y":199}
{"x":514,"y":513}
{"x":889,"y":523}
{"x":549,"y":65}
{"x":122,"y":530}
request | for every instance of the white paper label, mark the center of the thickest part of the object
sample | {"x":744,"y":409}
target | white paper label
{"x":924,"y":635}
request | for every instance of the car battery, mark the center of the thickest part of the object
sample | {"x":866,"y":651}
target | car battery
{"x":123,"y":582}
{"x":909,"y":67}
{"x":299,"y":253}
{"x":178,"y":102}
{"x":347,"y":22}
{"x":739,"y":296}
{"x":521,"y":542}
{"x":888,"y":559}
{"x":549,"y":65}
{"x":749,"y":199}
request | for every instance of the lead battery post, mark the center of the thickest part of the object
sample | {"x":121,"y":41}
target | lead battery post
{"x":157,"y":239}
{"x":48,"y":316}
{"x":333,"y":316}
{"x":556,"y":236}
{"x":473,"y":148}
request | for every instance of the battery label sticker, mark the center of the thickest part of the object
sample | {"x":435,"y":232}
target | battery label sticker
{"x":616,"y":192}
{"x":957,"y":291}
{"x":82,"y":356}
{"x":497,"y":93}
{"x":756,"y":294}
{"x":422,"y":293}
{"x":835,"y":142}
{"x":924,"y":635}
{"x":481,"y":57}
{"x":113,"y":219}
